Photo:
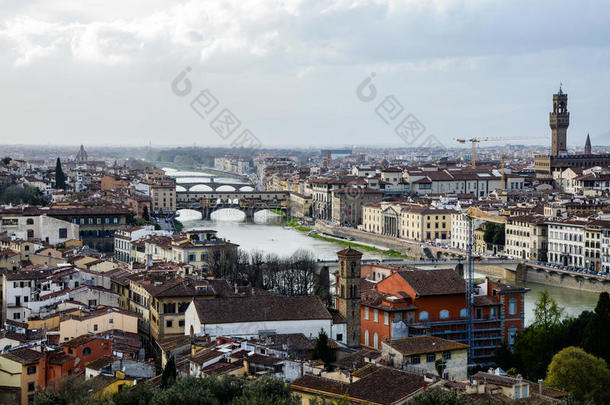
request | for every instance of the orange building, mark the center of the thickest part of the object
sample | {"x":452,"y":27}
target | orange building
{"x":413,"y":302}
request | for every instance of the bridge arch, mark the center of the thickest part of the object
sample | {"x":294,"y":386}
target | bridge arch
{"x":246,"y":188}
{"x":180,"y":188}
{"x":225,"y":187}
{"x":199,"y":187}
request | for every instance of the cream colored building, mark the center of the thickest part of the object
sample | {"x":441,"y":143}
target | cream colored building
{"x":97,"y":321}
{"x":407,"y":221}
{"x":526,"y":237}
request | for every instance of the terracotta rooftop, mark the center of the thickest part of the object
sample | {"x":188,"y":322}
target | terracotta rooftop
{"x":424,"y":344}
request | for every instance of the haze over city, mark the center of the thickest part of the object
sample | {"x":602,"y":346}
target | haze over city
{"x":289,"y":70}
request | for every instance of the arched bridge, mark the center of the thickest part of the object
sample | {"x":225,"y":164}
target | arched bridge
{"x":247,"y":201}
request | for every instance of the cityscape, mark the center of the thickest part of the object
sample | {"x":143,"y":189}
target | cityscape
{"x":189,"y":216}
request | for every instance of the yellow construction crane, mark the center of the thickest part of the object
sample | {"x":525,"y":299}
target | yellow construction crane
{"x":474,"y":142}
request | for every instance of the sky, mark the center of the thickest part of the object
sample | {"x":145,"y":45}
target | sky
{"x":300,"y":73}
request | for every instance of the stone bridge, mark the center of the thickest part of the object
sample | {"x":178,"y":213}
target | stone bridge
{"x":248,"y":202}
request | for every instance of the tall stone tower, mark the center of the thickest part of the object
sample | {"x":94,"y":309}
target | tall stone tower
{"x":559,"y":120}
{"x":348,"y":293}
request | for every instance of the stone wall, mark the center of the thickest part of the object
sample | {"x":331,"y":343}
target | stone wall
{"x":566,"y":281}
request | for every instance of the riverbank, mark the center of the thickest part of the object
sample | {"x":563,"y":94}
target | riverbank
{"x":329,"y":238}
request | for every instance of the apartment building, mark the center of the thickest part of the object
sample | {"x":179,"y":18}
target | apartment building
{"x":526,"y":237}
{"x":566,"y":242}
{"x":163,"y":196}
{"x":413,"y":302}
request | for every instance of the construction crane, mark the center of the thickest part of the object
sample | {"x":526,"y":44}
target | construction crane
{"x":474,"y":142}
{"x":472,"y":214}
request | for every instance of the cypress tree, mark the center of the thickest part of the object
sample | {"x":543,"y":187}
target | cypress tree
{"x":60,"y":177}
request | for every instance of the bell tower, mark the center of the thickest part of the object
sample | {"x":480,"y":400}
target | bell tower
{"x":559,"y":120}
{"x":348,"y":293}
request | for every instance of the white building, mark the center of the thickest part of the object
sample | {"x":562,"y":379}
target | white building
{"x":258,"y":315}
{"x":566,"y":243}
{"x":124,"y":237}
{"x":459,"y":230}
{"x":606,"y":250}
{"x":42,"y":227}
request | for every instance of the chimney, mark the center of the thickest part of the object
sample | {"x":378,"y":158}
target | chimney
{"x":540,"y":386}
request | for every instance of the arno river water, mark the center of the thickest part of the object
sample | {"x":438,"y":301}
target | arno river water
{"x":270,"y":236}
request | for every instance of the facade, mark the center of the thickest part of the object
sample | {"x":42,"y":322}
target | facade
{"x":526,"y":237}
{"x":413,"y":302}
{"x":97,"y":225}
{"x":97,"y":321}
{"x":566,"y":243}
{"x":257,"y":315}
{"x":347,"y":204}
{"x":41,"y":227}
{"x":408,"y":221}
{"x":428,"y":354}
{"x":20,"y":376}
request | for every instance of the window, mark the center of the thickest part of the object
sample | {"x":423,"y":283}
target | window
{"x":430,"y":358}
{"x":366,"y":313}
{"x":512,"y":306}
{"x":169,"y":324}
{"x":464,"y":313}
{"x":375,"y":340}
{"x":181,"y":323}
{"x":512,"y":334}
{"x":30,"y":221}
{"x":423,"y":316}
{"x":386,"y":318}
{"x":339,"y":337}
{"x":444,"y":314}
{"x":63,"y":233}
{"x":31,"y":370}
{"x":375,"y":315}
{"x":110,"y":320}
{"x":16,"y":315}
{"x":366,"y":337}
{"x":95,"y":327}
{"x":415,"y":359}
{"x":446,"y":355}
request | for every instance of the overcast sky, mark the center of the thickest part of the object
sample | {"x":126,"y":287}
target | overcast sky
{"x":100,"y":71}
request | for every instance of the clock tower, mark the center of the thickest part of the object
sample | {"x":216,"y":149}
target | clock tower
{"x":348,"y":293}
{"x":559,"y":120}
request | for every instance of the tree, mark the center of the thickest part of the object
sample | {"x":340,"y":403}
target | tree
{"x":597,"y":332}
{"x":6,"y":160}
{"x":60,"y":177}
{"x":581,"y":374}
{"x":535,"y":347}
{"x":547,"y":313}
{"x":322,"y":350}
{"x":168,"y":377}
{"x":145,"y":213}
